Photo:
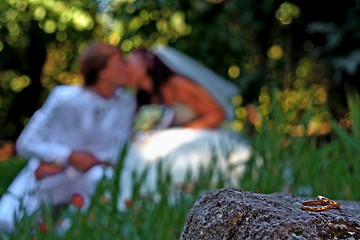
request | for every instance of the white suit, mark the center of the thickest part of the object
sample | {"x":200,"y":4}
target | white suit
{"x":73,"y":118}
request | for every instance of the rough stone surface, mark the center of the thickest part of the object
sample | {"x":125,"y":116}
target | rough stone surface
{"x":239,"y":214}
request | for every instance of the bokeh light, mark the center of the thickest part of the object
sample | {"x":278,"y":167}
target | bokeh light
{"x":144,"y":15}
{"x":320,"y":96}
{"x":241,"y":112}
{"x":114,"y":38}
{"x":177,"y":21}
{"x":61,"y":36}
{"x":236,"y":100}
{"x":162,"y":26}
{"x":135,"y":23}
{"x":154,"y":15}
{"x":65,"y":17}
{"x":275,"y":52}
{"x":233,"y":71}
{"x":287,"y":12}
{"x":82,"y":20}
{"x":126,"y":45}
{"x":237,"y":126}
{"x":11,"y":14}
{"x":19,"y":83}
{"x":13,"y":28}
{"x":49,"y":26}
{"x":21,"y":5}
{"x":137,"y":41}
{"x":130,"y":8}
{"x":39,"y":13}
{"x":294,"y":103}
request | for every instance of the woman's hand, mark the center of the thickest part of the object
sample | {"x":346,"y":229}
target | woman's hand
{"x":79,"y":160}
{"x":48,"y":168}
{"x":83,"y":161}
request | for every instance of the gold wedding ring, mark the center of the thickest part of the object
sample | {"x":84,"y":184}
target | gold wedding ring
{"x":328,"y":201}
{"x":320,"y":204}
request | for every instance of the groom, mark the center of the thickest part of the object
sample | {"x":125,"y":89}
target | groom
{"x":77,"y":131}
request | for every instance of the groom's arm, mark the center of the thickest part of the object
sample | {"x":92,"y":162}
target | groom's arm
{"x":37,"y":140}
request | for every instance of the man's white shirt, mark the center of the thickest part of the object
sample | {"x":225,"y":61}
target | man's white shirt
{"x":76,"y":118}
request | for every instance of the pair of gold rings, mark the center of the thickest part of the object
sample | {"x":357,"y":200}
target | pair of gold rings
{"x":324,"y":202}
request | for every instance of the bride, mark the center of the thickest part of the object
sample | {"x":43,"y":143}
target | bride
{"x":183,"y":109}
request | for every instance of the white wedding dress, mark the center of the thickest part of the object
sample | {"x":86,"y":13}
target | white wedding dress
{"x":182,"y":150}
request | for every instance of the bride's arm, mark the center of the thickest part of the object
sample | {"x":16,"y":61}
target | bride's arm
{"x":199,"y":100}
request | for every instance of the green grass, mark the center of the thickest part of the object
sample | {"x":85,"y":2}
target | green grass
{"x":8,"y":170}
{"x":156,"y":215}
{"x":304,"y":166}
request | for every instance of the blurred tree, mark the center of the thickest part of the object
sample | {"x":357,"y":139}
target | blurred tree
{"x":29,"y":29}
{"x":289,"y":44}
{"x":333,"y":32}
{"x":250,"y":42}
{"x":254,"y":43}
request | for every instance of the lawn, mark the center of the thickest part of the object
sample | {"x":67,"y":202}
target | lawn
{"x":301,"y":165}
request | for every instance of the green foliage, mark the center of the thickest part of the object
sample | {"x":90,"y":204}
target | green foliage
{"x":29,"y":30}
{"x":253,"y":43}
{"x":304,"y":166}
{"x":158,"y":214}
{"x":8,"y":170}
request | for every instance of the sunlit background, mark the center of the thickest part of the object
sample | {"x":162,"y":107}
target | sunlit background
{"x":258,"y":45}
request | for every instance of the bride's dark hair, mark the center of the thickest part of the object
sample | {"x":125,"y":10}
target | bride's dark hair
{"x":159,"y":73}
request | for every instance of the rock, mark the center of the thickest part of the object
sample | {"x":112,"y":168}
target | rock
{"x":239,"y":214}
